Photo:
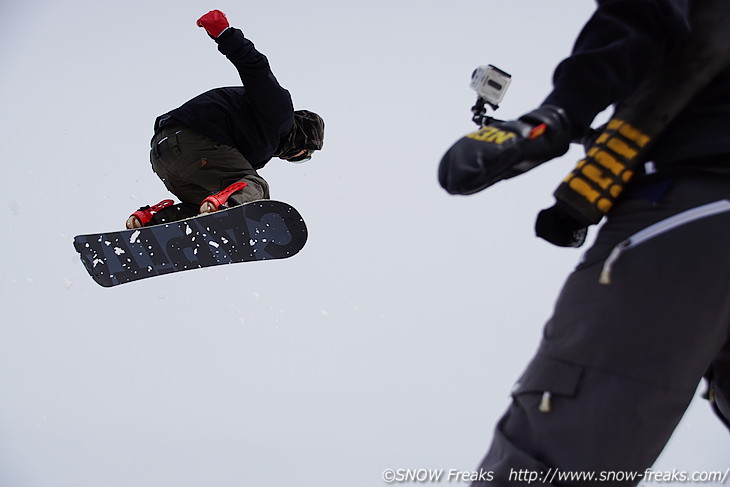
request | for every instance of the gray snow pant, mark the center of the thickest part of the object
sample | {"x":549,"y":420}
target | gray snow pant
{"x":194,"y":166}
{"x":636,"y":327}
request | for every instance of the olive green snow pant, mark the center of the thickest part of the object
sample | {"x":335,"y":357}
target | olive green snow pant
{"x":639,"y":322}
{"x":193,"y":166}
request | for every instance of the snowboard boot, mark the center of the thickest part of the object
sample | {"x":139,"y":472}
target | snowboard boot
{"x":218,"y":201}
{"x":143,"y":216}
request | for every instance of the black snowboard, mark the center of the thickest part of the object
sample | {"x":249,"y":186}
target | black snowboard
{"x":260,"y":230}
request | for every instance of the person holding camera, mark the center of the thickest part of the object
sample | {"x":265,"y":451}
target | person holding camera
{"x":645,"y":315}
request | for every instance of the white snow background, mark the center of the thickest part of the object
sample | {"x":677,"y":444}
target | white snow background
{"x":391,"y":341}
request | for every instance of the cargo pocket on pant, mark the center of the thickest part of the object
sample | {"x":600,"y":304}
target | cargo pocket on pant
{"x":197,"y":151}
{"x":546,"y":380}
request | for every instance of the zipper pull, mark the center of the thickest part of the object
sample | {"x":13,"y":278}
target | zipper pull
{"x":605,"y":277}
{"x":545,"y":403}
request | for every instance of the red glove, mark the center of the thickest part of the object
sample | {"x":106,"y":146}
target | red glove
{"x":214,"y":23}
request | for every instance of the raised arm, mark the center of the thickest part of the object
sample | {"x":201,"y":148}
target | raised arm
{"x":271,"y":101}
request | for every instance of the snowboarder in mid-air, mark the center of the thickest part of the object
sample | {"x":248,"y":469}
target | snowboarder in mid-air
{"x":207,"y":151}
{"x":646,"y":313}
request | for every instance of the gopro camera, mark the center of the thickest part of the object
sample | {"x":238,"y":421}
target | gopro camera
{"x":490,"y":83}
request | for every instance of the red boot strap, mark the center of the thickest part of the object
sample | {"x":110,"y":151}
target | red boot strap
{"x":161,"y":205}
{"x":146,"y":213}
{"x":221,"y":197}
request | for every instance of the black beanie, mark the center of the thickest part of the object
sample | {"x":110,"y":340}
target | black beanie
{"x":308,"y":130}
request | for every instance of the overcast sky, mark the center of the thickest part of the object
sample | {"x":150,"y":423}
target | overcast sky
{"x":391,"y":341}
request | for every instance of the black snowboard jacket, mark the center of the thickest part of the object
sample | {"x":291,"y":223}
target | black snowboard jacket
{"x":254,"y":117}
{"x":622,"y":43}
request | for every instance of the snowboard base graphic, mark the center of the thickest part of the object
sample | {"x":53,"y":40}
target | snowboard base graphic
{"x":260,"y":230}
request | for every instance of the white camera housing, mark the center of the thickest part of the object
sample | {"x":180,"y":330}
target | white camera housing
{"x":490,"y":83}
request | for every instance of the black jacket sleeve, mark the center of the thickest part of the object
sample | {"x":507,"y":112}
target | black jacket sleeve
{"x":620,"y":44}
{"x":272,"y":102}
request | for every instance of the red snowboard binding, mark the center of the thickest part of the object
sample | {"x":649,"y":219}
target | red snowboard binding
{"x":217,"y":201}
{"x":143,"y":216}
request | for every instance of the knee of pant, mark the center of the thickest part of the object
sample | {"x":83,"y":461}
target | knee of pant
{"x":263,"y":187}
{"x":256,"y":189}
